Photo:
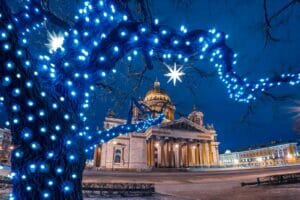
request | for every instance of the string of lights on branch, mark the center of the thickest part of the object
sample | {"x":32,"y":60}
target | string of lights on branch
{"x":159,"y":42}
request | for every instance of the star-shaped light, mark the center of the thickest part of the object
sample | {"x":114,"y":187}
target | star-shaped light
{"x":56,"y":41}
{"x":174,"y":73}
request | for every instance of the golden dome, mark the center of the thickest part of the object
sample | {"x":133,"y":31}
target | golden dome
{"x":157,"y":99}
{"x":157,"y":94}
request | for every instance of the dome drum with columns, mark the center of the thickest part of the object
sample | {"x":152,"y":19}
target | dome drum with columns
{"x":158,"y":100}
{"x":176,"y":143}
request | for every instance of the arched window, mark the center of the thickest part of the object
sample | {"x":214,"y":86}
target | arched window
{"x":117,"y":158}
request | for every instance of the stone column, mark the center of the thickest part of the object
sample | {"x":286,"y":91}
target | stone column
{"x":197,"y":155}
{"x":97,"y":156}
{"x":188,"y":154}
{"x":163,"y":155}
{"x":207,"y":153}
{"x":168,"y":153}
{"x":152,"y":152}
{"x":200,"y":154}
{"x":203,"y":154}
{"x":179,"y":155}
{"x":172,"y":153}
{"x":176,"y":154}
{"x":158,"y":146}
{"x":184,"y":155}
{"x":148,"y":152}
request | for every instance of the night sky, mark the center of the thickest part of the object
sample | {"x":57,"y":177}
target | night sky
{"x":244,"y":22}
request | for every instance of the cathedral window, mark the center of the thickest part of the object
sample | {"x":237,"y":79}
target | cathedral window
{"x":117,"y":157}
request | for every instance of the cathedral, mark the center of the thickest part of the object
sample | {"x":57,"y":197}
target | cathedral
{"x":176,"y":143}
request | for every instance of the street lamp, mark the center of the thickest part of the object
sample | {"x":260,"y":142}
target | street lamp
{"x":259,"y":160}
{"x":236,"y":162}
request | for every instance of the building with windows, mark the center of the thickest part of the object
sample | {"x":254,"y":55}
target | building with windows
{"x":5,"y":145}
{"x":271,"y":155}
{"x":176,"y":143}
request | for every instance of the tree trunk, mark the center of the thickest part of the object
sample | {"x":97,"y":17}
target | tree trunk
{"x":49,"y":155}
{"x":48,"y":185}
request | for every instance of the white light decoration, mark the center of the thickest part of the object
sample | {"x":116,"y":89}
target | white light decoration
{"x":174,"y":73}
{"x":56,"y":41}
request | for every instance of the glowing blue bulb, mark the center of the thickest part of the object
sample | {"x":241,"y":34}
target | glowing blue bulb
{"x":16,"y":92}
{"x":16,"y":121}
{"x":57,"y":128}
{"x":123,"y":33}
{"x":74,"y":176}
{"x":3,"y":35}
{"x":54,"y":106}
{"x":46,"y":195}
{"x":43,"y":129}
{"x":16,"y":108}
{"x":72,"y":157}
{"x":67,"y":117}
{"x":24,"y":41}
{"x":34,"y":145}
{"x":73,"y":127}
{"x":6,"y":81}
{"x":28,"y":188}
{"x":102,"y":58}
{"x":9,"y":27}
{"x":143,"y":29}
{"x":30,"y":118}
{"x":66,"y":188}
{"x":116,"y":48}
{"x":53,"y":137}
{"x":73,"y":93}
{"x":43,"y":167}
{"x":18,"y":154}
{"x":30,"y":103}
{"x":50,"y":183}
{"x":50,"y":154}
{"x":6,"y":46}
{"x":59,"y":170}
{"x":28,"y":84}
{"x":9,"y":65}
{"x":32,"y":166}
{"x":41,"y":113}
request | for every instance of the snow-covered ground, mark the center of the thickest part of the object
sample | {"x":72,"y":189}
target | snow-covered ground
{"x":203,"y":185}
{"x":206,"y":185}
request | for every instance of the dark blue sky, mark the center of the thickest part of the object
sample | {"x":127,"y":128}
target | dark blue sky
{"x":244,"y":22}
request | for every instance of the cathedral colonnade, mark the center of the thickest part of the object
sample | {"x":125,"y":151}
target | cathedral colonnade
{"x":163,"y":152}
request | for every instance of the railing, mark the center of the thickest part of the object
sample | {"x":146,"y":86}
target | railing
{"x":103,"y":189}
{"x":5,"y":183}
{"x":275,"y":180}
{"x":118,"y":189}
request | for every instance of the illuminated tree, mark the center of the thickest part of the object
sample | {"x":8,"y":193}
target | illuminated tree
{"x":47,"y":96}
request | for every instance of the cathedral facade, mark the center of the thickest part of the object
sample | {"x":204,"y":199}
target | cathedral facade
{"x":176,"y":143}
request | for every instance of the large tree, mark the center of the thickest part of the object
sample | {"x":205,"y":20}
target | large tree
{"x":47,"y":96}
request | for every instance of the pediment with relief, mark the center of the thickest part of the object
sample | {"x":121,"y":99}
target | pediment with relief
{"x":183,"y":124}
